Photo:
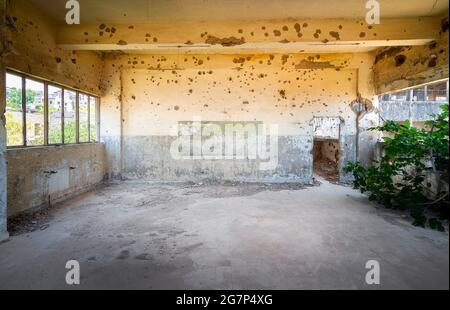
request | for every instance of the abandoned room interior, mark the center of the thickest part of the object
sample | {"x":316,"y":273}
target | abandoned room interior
{"x":168,"y":144}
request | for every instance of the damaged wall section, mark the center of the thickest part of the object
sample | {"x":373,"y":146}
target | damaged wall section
{"x":147,"y":95}
{"x":401,"y":67}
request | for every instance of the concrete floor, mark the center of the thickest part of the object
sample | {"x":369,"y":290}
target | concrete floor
{"x":180,"y":236}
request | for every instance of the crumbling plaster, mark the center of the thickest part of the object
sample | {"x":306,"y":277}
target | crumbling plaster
{"x":42,"y":176}
{"x":401,"y":67}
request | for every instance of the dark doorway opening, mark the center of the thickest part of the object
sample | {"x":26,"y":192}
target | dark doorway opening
{"x":326,"y":159}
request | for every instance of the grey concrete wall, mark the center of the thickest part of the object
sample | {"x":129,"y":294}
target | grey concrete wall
{"x":149,"y":157}
{"x":42,"y":176}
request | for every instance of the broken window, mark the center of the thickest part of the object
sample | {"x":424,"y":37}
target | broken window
{"x":437,"y":92}
{"x":14,"y":111}
{"x":416,"y":105}
{"x":40,"y":113}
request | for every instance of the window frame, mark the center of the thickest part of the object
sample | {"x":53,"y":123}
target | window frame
{"x":63,"y":88}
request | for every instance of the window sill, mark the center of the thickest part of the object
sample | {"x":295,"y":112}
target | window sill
{"x":52,"y":146}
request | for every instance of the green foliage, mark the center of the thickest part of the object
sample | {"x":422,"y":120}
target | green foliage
{"x":397,"y":180}
{"x":13,"y":130}
{"x":14,"y":98}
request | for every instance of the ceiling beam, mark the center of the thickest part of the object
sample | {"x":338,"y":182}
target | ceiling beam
{"x":290,"y":34}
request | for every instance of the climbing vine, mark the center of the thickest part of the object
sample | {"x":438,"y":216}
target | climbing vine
{"x":399,"y":179}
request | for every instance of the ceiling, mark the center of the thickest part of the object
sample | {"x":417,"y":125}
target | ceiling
{"x":145,"y":11}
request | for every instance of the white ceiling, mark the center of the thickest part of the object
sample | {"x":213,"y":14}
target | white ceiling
{"x":144,"y":11}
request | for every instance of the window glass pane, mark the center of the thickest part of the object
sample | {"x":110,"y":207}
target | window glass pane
{"x":437,"y":92}
{"x":419,"y":94}
{"x":54,"y":115}
{"x":385,"y":97}
{"x":93,"y":119}
{"x":399,"y":96}
{"x":70,"y":128}
{"x":14,"y":119}
{"x":84,"y":118}
{"x":35,"y":112}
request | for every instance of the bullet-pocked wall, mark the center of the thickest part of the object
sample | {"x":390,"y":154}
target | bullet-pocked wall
{"x":147,"y":96}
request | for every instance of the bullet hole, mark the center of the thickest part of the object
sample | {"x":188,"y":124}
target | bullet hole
{"x":362,"y":34}
{"x":432,"y":45}
{"x":335,"y":35}
{"x":305,"y":25}
{"x":58,"y":59}
{"x":282,"y":93}
{"x":100,"y":33}
{"x":340,"y":27}
{"x":86,"y":34}
{"x":189,"y":42}
{"x":240,"y":31}
{"x":176,"y":108}
{"x":245,"y":102}
{"x":285,"y":28}
{"x":297,"y":27}
{"x":277,"y":33}
{"x":284,"y":41}
{"x":444,"y":25}
{"x":74,"y":61}
{"x":102,"y":26}
{"x":155,"y":40}
{"x":133,"y":97}
{"x":200,"y":62}
{"x":432,"y":61}
{"x":113,"y":30}
{"x":400,"y":60}
{"x":122,"y":42}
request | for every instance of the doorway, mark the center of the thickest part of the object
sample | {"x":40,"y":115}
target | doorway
{"x":326,"y":159}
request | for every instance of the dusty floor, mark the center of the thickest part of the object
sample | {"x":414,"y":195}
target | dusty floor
{"x":327,"y":169}
{"x":185,"y":236}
